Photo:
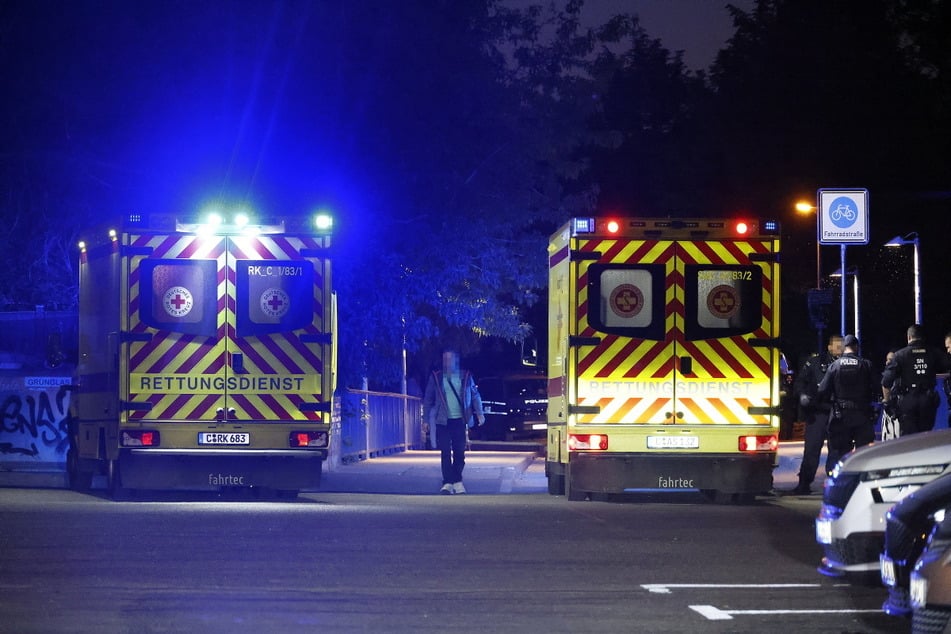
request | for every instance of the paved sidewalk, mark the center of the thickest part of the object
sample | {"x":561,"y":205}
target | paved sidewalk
{"x":494,"y":472}
{"x":419,"y":473}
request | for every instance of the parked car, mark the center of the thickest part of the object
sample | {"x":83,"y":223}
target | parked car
{"x":515,"y":407}
{"x":907,"y":527}
{"x":862,"y":488}
{"x":930,"y":584}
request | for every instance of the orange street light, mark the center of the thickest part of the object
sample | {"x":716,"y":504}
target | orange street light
{"x":804,"y":207}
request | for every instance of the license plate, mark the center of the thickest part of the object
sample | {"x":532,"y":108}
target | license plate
{"x":673,"y":442}
{"x":224,"y":438}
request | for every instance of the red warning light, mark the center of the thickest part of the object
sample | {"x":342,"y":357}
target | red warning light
{"x":742,"y":228}
{"x":613,"y":226}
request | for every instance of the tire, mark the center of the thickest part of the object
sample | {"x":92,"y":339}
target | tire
{"x":556,"y":484}
{"x":930,"y":620}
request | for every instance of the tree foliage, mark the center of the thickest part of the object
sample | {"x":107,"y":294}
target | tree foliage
{"x":450,"y":138}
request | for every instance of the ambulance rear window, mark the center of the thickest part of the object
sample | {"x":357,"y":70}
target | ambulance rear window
{"x":627,"y":299}
{"x":721,"y":300}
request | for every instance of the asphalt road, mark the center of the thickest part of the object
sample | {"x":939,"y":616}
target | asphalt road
{"x":358,"y":562}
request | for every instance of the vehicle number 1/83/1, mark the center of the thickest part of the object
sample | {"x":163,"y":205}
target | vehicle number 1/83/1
{"x":224,"y":438}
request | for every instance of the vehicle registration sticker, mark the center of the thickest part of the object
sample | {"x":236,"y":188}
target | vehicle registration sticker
{"x":224,"y":438}
{"x":673,"y":442}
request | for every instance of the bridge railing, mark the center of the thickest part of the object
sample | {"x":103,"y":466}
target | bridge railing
{"x":370,"y":424}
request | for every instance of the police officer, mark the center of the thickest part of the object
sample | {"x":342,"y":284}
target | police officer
{"x":913,"y":368}
{"x":815,"y":412}
{"x":852,"y":383}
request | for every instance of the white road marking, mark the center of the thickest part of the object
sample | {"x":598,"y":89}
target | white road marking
{"x":665,"y":588}
{"x":716,"y":614}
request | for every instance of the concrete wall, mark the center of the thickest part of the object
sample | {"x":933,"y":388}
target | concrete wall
{"x":34,"y":412}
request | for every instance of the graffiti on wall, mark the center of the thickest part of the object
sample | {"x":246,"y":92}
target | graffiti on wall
{"x":34,"y":418}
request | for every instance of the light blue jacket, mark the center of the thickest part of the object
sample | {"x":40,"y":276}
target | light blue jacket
{"x":436,"y":410}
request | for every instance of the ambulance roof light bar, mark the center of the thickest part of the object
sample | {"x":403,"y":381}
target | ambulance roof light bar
{"x":699,"y":228}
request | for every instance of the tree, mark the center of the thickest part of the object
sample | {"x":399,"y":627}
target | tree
{"x":481,"y":150}
{"x":825,"y":94}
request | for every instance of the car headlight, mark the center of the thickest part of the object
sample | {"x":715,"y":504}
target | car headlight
{"x":824,"y":531}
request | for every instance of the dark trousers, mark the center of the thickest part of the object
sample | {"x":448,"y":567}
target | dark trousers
{"x":917,"y":411}
{"x":451,"y":439}
{"x":854,"y":429}
{"x":817,"y":426}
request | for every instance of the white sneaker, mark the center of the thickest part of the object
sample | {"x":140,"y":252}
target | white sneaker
{"x":458,"y":488}
{"x":447,"y":489}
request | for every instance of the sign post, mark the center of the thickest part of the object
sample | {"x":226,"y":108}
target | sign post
{"x":842,"y":218}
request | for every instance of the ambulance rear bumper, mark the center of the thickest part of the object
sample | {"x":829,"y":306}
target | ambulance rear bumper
{"x":616,"y":473}
{"x":200,"y":469}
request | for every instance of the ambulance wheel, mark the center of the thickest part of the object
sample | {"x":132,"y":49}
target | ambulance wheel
{"x":78,"y":480}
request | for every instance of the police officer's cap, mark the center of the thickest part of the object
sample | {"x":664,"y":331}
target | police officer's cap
{"x":850,"y":342}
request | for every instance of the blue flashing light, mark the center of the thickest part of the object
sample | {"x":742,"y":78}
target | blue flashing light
{"x":323,"y":222}
{"x":582,"y":225}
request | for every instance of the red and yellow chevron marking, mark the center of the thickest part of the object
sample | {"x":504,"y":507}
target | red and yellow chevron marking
{"x":208,"y":360}
{"x":634,"y":380}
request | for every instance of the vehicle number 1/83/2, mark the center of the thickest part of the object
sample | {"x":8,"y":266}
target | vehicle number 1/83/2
{"x":224,"y":438}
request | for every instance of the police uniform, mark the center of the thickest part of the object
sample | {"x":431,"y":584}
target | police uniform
{"x":815,"y":412}
{"x":912,"y":375}
{"x":852,"y":384}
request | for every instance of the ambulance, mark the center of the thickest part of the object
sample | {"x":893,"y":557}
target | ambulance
{"x":207,"y":355}
{"x":664,"y":357}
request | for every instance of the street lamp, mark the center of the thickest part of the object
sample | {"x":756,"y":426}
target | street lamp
{"x":854,"y":272}
{"x":805,"y":208}
{"x":912,"y":238}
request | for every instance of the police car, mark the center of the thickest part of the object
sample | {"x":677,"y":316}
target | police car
{"x":862,"y":488}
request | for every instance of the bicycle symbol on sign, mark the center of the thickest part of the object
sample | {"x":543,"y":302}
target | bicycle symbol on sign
{"x":842,"y":211}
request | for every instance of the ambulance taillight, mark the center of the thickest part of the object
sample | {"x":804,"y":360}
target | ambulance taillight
{"x":579,"y":442}
{"x":308,"y":439}
{"x":758,"y":443}
{"x":140,"y":438}
{"x":741,"y":228}
{"x":612,"y":226}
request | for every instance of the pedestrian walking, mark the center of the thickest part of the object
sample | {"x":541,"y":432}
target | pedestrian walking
{"x":911,"y":375}
{"x":815,"y":412}
{"x":851,"y":384}
{"x":452,"y":404}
